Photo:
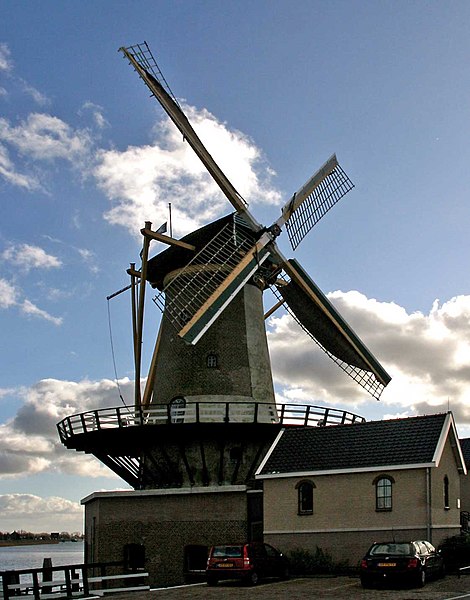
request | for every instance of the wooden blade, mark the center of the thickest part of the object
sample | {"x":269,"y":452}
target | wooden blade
{"x":323,"y":322}
{"x":180,"y":120}
{"x":313,"y":200}
{"x":224,"y":294}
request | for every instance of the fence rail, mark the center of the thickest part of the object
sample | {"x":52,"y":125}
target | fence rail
{"x":203,"y":412}
{"x":72,"y":581}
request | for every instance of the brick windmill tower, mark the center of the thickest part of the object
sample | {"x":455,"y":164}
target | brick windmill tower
{"x":191,"y":443}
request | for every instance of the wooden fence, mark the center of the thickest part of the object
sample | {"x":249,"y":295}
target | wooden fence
{"x":72,"y":581}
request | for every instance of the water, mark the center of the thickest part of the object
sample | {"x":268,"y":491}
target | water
{"x":31,"y":557}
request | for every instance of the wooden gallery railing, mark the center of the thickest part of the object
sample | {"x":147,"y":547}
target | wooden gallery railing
{"x":204,"y":412}
{"x":72,"y":581}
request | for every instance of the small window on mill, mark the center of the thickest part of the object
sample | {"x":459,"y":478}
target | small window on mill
{"x":211,"y":361}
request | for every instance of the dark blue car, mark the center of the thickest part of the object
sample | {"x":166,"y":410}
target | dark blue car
{"x":403,"y":562}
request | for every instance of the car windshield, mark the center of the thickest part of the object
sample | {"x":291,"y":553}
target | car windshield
{"x":402,"y":549}
{"x":227,"y":552}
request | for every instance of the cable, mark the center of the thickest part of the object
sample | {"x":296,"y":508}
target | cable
{"x":116,"y":379}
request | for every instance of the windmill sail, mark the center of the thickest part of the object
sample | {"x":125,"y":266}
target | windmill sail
{"x":318,"y":317}
{"x":314,"y":199}
{"x":146,"y":66}
{"x":199,"y":292}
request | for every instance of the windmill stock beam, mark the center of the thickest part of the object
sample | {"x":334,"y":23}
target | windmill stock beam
{"x":166,"y":239}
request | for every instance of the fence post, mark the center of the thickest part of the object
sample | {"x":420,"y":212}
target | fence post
{"x":35,"y":586}
{"x":86,"y":587}
{"x":8,"y":578}
{"x":47,"y":574}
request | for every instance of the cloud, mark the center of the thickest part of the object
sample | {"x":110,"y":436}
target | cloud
{"x":97,"y":114}
{"x":427,"y":355}
{"x":30,"y":309}
{"x":10,"y":297}
{"x":45,"y":137}
{"x":35,"y":94}
{"x":29,"y":257}
{"x":9,"y":172}
{"x":141,"y":181}
{"x":36,"y":513}
{"x":29,"y":442}
{"x":8,"y":294}
{"x":6,"y":63}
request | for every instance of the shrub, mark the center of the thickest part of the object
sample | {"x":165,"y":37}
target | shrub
{"x":455,"y":551}
{"x":305,"y":563}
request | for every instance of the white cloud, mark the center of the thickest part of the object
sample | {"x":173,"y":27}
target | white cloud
{"x":97,"y":113}
{"x":35,"y":94}
{"x":30,"y":309}
{"x":5,"y":60}
{"x":427,"y":355}
{"x":10,"y":297}
{"x":45,"y":137}
{"x":8,"y":294}
{"x":36,"y":514}
{"x":29,"y":442}
{"x":89,"y":259}
{"x":9,"y":173}
{"x":30,"y":257}
{"x":141,"y":181}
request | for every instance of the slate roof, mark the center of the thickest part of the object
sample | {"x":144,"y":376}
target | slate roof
{"x":409,"y":441}
{"x":465,"y":445}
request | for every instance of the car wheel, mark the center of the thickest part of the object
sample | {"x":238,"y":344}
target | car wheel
{"x":285,"y":573}
{"x":211,"y":580}
{"x":366,"y":584}
{"x":422,"y":578}
{"x":252,"y":578}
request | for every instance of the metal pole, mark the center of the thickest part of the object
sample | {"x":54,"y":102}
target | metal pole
{"x":134,"y":324}
{"x":140,"y":314}
{"x":151,"y":375}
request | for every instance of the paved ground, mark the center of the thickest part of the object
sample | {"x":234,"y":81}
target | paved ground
{"x":347,"y":588}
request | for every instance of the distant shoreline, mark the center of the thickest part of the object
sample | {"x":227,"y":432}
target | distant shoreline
{"x":4,"y":543}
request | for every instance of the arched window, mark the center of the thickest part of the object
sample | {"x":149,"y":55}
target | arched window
{"x":383,"y":492}
{"x":211,"y":361}
{"x":177,"y":409}
{"x":446,"y":493}
{"x":305,"y":497}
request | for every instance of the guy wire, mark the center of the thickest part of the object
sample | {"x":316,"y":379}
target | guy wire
{"x":116,"y":379}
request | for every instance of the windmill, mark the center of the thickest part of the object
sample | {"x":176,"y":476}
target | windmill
{"x":210,"y":373}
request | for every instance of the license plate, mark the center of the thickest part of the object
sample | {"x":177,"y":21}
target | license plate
{"x":388,"y":564}
{"x":225,"y":565}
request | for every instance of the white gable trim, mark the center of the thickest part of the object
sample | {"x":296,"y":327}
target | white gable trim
{"x":344,"y":471}
{"x":450,"y":428}
{"x":268,"y":454}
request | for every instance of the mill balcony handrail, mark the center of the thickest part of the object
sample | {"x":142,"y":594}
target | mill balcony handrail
{"x":204,"y":412}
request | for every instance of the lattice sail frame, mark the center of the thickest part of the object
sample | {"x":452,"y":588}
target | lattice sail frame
{"x":143,"y":55}
{"x":187,"y":292}
{"x":325,"y":195}
{"x":365,"y":379}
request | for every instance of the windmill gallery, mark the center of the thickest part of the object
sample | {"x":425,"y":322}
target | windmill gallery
{"x":195,"y":445}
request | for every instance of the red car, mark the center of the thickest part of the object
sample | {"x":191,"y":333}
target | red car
{"x":248,"y":562}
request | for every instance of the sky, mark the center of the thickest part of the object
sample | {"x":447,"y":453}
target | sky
{"x":273,"y":88}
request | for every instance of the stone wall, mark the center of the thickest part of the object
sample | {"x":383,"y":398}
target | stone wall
{"x":166,"y":523}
